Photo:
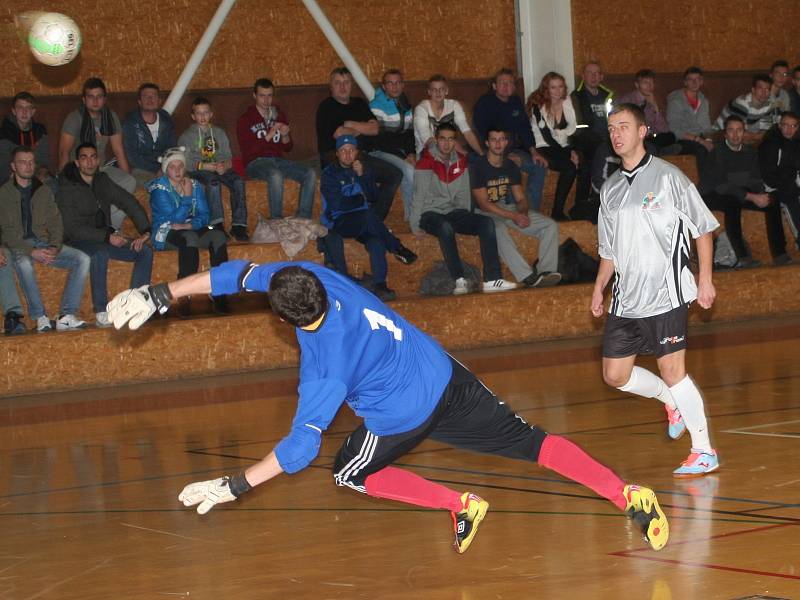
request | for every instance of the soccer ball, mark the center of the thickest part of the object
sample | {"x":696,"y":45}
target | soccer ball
{"x":54,"y":39}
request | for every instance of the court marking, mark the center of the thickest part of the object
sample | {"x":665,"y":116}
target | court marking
{"x":749,"y":430}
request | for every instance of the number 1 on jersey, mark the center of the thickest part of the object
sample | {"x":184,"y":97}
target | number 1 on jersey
{"x":377,"y":320}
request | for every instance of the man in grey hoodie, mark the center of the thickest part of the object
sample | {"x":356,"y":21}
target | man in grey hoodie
{"x":689,"y":119}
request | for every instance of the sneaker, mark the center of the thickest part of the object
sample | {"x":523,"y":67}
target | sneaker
{"x":698,"y":463}
{"x":13,"y":324}
{"x":383,"y":292}
{"x":239,"y":232}
{"x":643,"y":509}
{"x":43,"y":324}
{"x":69,"y":322}
{"x":101,"y":320}
{"x":498,"y":285}
{"x":461,"y":287}
{"x":466,"y":521}
{"x":782,"y":260}
{"x":547,"y":279}
{"x":675,"y":425}
{"x":404,"y":255}
{"x":747,"y":262}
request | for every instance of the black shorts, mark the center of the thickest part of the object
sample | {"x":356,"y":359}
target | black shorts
{"x":658,"y":335}
{"x":467,"y":416}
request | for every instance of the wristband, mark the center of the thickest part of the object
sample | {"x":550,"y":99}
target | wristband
{"x":238,"y":484}
{"x":161,"y":297}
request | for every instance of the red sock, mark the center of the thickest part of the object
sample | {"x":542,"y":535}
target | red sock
{"x":567,"y":459}
{"x":404,"y":486}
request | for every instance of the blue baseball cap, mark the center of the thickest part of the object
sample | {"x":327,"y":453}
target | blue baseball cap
{"x":346,"y":139}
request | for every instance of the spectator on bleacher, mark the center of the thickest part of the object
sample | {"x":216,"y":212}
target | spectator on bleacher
{"x":779,"y":73}
{"x":342,"y":114}
{"x":592,"y":102}
{"x":553,"y":122}
{"x":442,"y":207}
{"x":264,"y":139}
{"x":643,"y":95}
{"x":146,"y":133}
{"x":794,"y":92}
{"x":439,"y":109}
{"x":9,"y":298}
{"x":348,"y":191}
{"x":501,"y":107}
{"x":210,"y":160}
{"x":94,"y":123}
{"x":732,"y":183}
{"x":496,"y":185}
{"x":755,"y":109}
{"x":85,"y":197}
{"x":689,"y":119}
{"x":19,"y":129}
{"x":779,"y":159}
{"x":180,"y":222}
{"x":31,"y":228}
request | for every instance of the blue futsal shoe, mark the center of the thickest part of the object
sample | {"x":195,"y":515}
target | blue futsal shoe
{"x":676,"y":426}
{"x":698,"y":464}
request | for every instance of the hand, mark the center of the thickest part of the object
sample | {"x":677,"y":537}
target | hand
{"x":283,"y":128}
{"x":596,"y":305}
{"x":340,"y":131}
{"x":760,"y":200}
{"x":706,"y":293}
{"x":411,"y":159}
{"x":271,"y":132}
{"x":521,"y":220}
{"x":358,"y":167}
{"x":219,"y":168}
{"x":575,"y":158}
{"x":117,"y":240}
{"x":207,"y":494}
{"x":136,"y":245}
{"x":709,"y":145}
{"x":515,"y":159}
{"x":44,"y":256}
{"x":538,"y":159}
{"x":135,"y":306}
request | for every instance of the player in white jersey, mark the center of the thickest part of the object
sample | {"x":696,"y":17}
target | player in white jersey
{"x":647,"y":211}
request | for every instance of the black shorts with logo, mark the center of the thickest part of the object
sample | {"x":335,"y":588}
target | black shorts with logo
{"x":658,"y":335}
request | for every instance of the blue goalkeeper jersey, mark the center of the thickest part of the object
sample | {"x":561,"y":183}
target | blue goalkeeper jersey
{"x":363,"y":353}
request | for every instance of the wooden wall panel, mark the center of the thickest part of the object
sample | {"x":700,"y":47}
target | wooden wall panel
{"x":464,"y":39}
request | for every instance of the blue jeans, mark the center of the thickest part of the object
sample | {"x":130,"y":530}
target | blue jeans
{"x":9,"y":298}
{"x":536,"y":176}
{"x":368,"y":229}
{"x":406,"y":184}
{"x":213,"y":183}
{"x":67,"y":258}
{"x":273,"y":170}
{"x":100,"y":253}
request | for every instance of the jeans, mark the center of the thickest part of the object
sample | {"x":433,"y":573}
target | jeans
{"x":445,"y":227}
{"x":213,"y":183}
{"x":559,"y":160}
{"x":406,"y":183}
{"x":188,"y":242}
{"x":365,"y":227}
{"x":9,"y":298}
{"x":273,"y":170}
{"x":100,"y":253}
{"x":536,"y":174}
{"x":67,"y":258}
{"x":388,"y":178}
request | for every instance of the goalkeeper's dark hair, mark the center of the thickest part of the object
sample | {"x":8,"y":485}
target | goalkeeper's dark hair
{"x":297,"y":296}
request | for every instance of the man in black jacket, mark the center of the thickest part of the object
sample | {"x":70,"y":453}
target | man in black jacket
{"x":779,"y":159}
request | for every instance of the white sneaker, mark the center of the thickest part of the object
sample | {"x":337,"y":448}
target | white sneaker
{"x":461,"y":287}
{"x":498,"y":285}
{"x":69,"y":322}
{"x":101,"y":320}
{"x":43,"y":324}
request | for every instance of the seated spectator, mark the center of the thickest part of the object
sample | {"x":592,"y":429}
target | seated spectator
{"x":553,"y":123}
{"x":9,"y":298}
{"x":146,"y":133}
{"x":779,"y":159}
{"x":689,"y":119}
{"x":442,"y":207}
{"x":180,"y":220}
{"x":348,"y":191}
{"x":264,"y":138}
{"x":85,"y":197}
{"x":501,"y":107}
{"x":643,"y":95}
{"x":30,"y":226}
{"x":754,"y":108}
{"x":732,"y":183}
{"x":779,"y":73}
{"x":439,"y":109}
{"x":794,"y":92}
{"x":208,"y":153}
{"x":592,"y":102}
{"x":496,"y":185}
{"x":19,"y":129}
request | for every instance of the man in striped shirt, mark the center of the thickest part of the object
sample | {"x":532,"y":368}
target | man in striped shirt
{"x":756,"y":108}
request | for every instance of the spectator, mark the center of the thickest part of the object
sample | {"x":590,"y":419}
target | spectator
{"x":85,"y":197}
{"x":794,"y":92}
{"x":9,"y":298}
{"x":754,"y":108}
{"x":779,"y":73}
{"x":348,"y":191}
{"x":264,"y":138}
{"x":429,"y":114}
{"x":210,"y":160}
{"x":19,"y":129}
{"x":732,"y":183}
{"x":146,"y":133}
{"x":643,"y":95}
{"x":502,"y":108}
{"x":180,"y":220}
{"x":779,"y":159}
{"x":497,"y":190}
{"x":31,"y":228}
{"x":689,"y":119}
{"x":592,"y":102}
{"x":553,"y":123}
{"x":442,"y":207}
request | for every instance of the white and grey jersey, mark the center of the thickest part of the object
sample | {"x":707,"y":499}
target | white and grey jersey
{"x":645,"y":218}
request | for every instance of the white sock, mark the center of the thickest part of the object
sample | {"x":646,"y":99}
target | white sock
{"x":690,"y":403}
{"x":647,"y":384}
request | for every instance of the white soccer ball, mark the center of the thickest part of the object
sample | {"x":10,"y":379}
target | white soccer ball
{"x":54,"y":39}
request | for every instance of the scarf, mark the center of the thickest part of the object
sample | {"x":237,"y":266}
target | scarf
{"x":88,"y":133}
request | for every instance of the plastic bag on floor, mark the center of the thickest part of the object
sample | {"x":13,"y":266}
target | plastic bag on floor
{"x":293,"y":233}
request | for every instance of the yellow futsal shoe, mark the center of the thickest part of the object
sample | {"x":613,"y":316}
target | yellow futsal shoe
{"x":466,"y":521}
{"x":642,"y":507}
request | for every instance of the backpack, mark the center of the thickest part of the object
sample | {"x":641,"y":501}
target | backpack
{"x":574,"y":264}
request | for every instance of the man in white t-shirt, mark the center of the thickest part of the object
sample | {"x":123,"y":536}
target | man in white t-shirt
{"x":429,"y":114}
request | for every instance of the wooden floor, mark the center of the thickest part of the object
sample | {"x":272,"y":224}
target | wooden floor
{"x":89,"y":484}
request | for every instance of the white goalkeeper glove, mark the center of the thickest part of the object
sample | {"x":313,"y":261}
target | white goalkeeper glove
{"x":207,"y":494}
{"x":135,"y":306}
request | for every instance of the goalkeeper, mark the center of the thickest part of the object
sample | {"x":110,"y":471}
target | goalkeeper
{"x":355,"y":349}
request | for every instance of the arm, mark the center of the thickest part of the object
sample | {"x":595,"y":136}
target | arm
{"x":65,"y":144}
{"x":359,"y":128}
{"x":130,"y":141}
{"x":201,"y":213}
{"x":604,"y":274}
{"x":481,"y":197}
{"x":119,"y":151}
{"x":127,"y":202}
{"x":705,"y":256}
{"x":422,"y":178}
{"x":422,"y":126}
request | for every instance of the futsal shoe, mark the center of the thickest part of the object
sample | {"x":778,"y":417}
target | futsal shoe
{"x":466,"y":521}
{"x":643,"y":509}
{"x":698,"y":464}
{"x":676,"y":426}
